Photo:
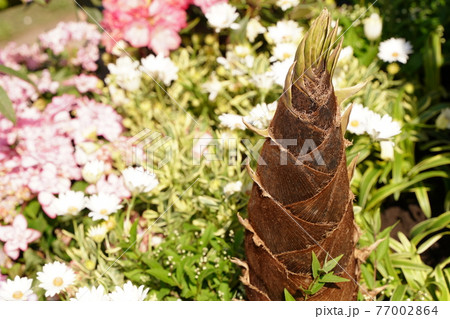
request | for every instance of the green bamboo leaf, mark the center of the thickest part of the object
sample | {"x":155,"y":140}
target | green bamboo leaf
{"x":368,"y":180}
{"x":429,"y":226}
{"x":399,"y":293}
{"x":288,"y":296}
{"x":162,"y":275}
{"x":330,"y":277}
{"x":329,"y":265}
{"x":315,"y":265}
{"x":430,"y":241}
{"x":434,"y":161}
{"x":20,"y":75}
{"x":408,"y":264}
{"x":6,"y":107}
{"x":316,"y":287}
{"x":422,"y":198}
{"x":390,"y":189}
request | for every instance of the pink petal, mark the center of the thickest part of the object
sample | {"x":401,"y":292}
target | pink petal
{"x":20,"y":223}
{"x":5,"y":232}
{"x":12,"y":252}
{"x":32,"y":234}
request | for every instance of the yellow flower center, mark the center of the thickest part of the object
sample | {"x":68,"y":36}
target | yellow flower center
{"x":286,"y":55}
{"x":104,"y":211}
{"x":395,"y":54}
{"x":72,"y":210}
{"x":354,"y":123}
{"x":17,"y":295}
{"x":58,"y":282}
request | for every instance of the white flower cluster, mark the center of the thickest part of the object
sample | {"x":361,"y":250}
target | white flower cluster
{"x":287,"y":4}
{"x":128,"y":73}
{"x":222,"y":16}
{"x":260,"y":117}
{"x":56,"y":277}
{"x":363,"y":120}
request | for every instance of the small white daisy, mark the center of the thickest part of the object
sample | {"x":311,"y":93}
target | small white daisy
{"x":261,"y":115}
{"x":280,"y":70}
{"x":93,"y":171}
{"x":373,"y":26}
{"x":233,"y":187}
{"x":91,"y":294}
{"x":55,"y":277}
{"x":285,"y":32}
{"x":287,"y":4}
{"x":222,"y":16}
{"x":97,"y":233}
{"x":382,"y":127}
{"x":393,"y":50}
{"x":357,"y":123}
{"x":232,"y":121}
{"x":17,"y":289}
{"x":129,"y":292}
{"x":102,"y":205}
{"x":138,"y":180}
{"x":213,"y":87}
{"x":263,"y":81}
{"x":160,"y":68}
{"x":254,"y":28}
{"x":283,"y":51}
{"x":69,"y":203}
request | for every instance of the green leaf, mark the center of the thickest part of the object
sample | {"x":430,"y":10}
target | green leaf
{"x":6,"y":107}
{"x":20,"y":75}
{"x":329,"y":265}
{"x":368,"y":179}
{"x":390,"y":189}
{"x":330,"y":277}
{"x":315,"y":265}
{"x":422,"y":198}
{"x":288,"y":296}
{"x":430,"y":241}
{"x":162,"y":275}
{"x":408,"y":264}
{"x":316,"y":287}
{"x":399,"y":293}
{"x":435,"y":161}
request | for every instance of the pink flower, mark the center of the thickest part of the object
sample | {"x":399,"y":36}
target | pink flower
{"x":206,"y":4}
{"x":112,"y":184}
{"x":17,"y":236}
{"x":163,"y":40}
{"x":137,"y":33}
{"x":45,"y":83}
{"x":84,"y":83}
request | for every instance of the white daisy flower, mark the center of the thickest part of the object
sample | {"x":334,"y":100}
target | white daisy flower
{"x":138,"y":180}
{"x":357,"y":123}
{"x":17,"y":289}
{"x":91,"y":294}
{"x":261,"y":115}
{"x":232,"y":188}
{"x":264,"y":81}
{"x":373,"y":26}
{"x":280,"y":70}
{"x":287,"y":4}
{"x":387,"y":150}
{"x":382,"y":127}
{"x":283,"y":51}
{"x":213,"y":87}
{"x":232,"y":121}
{"x":127,"y":73}
{"x":129,"y":292}
{"x":55,"y":277}
{"x":69,"y":203}
{"x":102,"y":205}
{"x":285,"y":32}
{"x":97,"y":233}
{"x":93,"y":171}
{"x":222,"y":16}
{"x":160,"y":68}
{"x":345,"y":55}
{"x":393,"y":50}
{"x":253,"y":29}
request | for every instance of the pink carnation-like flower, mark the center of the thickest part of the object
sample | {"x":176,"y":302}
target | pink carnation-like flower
{"x":17,"y":236}
{"x":206,"y":4}
{"x":84,"y":83}
{"x":13,"y":55}
{"x":112,"y":184}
